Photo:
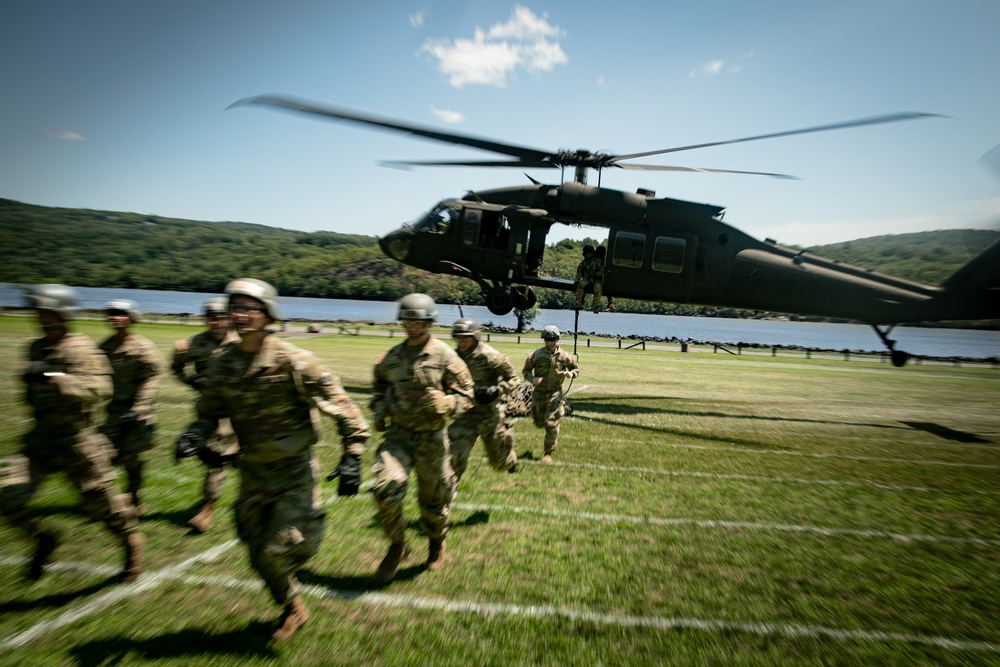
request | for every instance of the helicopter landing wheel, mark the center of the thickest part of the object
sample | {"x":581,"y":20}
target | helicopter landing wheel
{"x":899,"y":358}
{"x":524,"y":297}
{"x":499,"y":301}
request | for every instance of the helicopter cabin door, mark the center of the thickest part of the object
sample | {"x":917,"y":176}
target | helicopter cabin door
{"x":650,"y":264}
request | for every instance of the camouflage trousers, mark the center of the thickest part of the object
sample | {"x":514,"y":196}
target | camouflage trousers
{"x":490,"y":423}
{"x":86,"y":459}
{"x":128,"y":442}
{"x":546,"y":411}
{"x":224,"y":442}
{"x":279,"y":517}
{"x":427,"y":452}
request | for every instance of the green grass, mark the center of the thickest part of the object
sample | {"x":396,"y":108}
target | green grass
{"x":702,"y":509}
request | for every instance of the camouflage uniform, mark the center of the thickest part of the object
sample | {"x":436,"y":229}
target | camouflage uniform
{"x":273,"y":398}
{"x":547,"y":402}
{"x":135,"y":364}
{"x":63,"y":439}
{"x":196,"y":351}
{"x":417,"y":388}
{"x":489,"y":368}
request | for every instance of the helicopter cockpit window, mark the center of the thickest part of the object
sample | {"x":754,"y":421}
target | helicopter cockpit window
{"x":439,"y":220}
{"x":629,"y":248}
{"x":668,"y":254}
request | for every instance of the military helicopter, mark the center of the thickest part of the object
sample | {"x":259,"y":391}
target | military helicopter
{"x":658,"y":249}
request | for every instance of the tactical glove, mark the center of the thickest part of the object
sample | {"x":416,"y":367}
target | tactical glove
{"x":36,"y":372}
{"x":485,"y":395}
{"x":380,"y":424}
{"x":188,"y":445}
{"x":349,"y":472}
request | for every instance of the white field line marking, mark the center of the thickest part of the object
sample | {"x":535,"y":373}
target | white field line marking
{"x":145,"y":583}
{"x":737,"y":525}
{"x":661,"y":623}
{"x":785,"y":452}
{"x":759,"y":478}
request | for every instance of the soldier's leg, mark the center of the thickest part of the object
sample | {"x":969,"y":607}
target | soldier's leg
{"x":393,"y":463}
{"x":498,"y":440}
{"x":598,"y":288}
{"x":435,"y":489}
{"x":553,"y":412}
{"x":462,"y":435}
{"x":88,"y":466}
{"x":19,"y":480}
{"x":224,"y":442}
{"x":579,"y":295}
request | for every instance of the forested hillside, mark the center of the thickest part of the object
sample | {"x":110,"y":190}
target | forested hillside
{"x":113,"y":249}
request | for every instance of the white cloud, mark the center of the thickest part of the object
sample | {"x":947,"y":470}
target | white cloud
{"x":717,"y":66}
{"x":600,"y":80}
{"x":711,"y":68}
{"x":66,"y":135}
{"x":491,"y":56}
{"x":417,"y":20}
{"x":448,"y":116}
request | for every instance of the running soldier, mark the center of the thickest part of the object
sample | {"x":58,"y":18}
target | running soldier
{"x":547,"y":368}
{"x":418,"y":385}
{"x":273,"y":393}
{"x":66,"y":379}
{"x":195,"y":352}
{"x":494,"y":378}
{"x":135,"y":365}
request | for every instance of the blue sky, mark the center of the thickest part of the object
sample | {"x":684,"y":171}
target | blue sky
{"x":121,"y":105}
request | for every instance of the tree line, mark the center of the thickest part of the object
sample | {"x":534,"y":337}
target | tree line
{"x":93,"y":248}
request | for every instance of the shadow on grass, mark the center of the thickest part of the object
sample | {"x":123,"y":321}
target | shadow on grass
{"x":348,"y":588}
{"x":56,"y":599}
{"x":945,"y":432}
{"x":613,"y":406}
{"x":251,"y":641}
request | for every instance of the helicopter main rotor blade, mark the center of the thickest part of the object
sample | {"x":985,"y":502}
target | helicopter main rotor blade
{"x":280,"y":101}
{"x":522,"y":164}
{"x":656,"y":167}
{"x":874,"y":120}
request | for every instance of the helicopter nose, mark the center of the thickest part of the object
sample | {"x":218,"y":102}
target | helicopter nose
{"x":396,"y":245}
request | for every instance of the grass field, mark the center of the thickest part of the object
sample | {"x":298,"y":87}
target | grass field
{"x":702,"y":509}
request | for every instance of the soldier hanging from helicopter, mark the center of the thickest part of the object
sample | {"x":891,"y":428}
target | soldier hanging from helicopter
{"x":590,"y":273}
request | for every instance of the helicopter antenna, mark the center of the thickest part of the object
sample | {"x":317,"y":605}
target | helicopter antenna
{"x":475,"y":194}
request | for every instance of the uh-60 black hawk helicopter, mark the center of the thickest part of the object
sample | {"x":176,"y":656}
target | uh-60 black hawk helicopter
{"x":658,"y":249}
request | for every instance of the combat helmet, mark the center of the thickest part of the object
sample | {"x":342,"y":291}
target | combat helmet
{"x":60,"y":299}
{"x":124,"y":305}
{"x":465,"y":327}
{"x":215,"y":306}
{"x":588,"y":250}
{"x":550,"y":333}
{"x":255,"y":289}
{"x":417,"y":306}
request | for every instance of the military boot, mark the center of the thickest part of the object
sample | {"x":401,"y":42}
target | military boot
{"x":202,"y":521}
{"x":134,"y":543}
{"x":387,"y":568}
{"x":292,"y":618}
{"x":435,"y":554}
{"x":45,"y":544}
{"x":547,"y":458}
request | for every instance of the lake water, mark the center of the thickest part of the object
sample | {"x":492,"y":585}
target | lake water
{"x":825,"y":336}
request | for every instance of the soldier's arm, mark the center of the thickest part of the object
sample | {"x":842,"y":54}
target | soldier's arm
{"x":457,"y":382}
{"x":323,"y":390}
{"x":211,"y":407}
{"x":151,"y":364}
{"x":380,"y":390}
{"x":88,"y":373}
{"x":506,"y":374}
{"x":179,"y":360}
{"x":570,"y":365}
{"x":528,"y":370}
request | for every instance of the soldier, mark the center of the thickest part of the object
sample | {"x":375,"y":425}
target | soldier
{"x":273,"y":393}
{"x":66,"y":378}
{"x":135,"y":365}
{"x":583,"y":278}
{"x":494,"y":378}
{"x":597,"y":278}
{"x":418,"y":385}
{"x":196,"y":351}
{"x":546,"y":368}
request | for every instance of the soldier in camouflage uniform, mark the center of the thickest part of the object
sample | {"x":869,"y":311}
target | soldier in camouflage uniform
{"x":418,"y":385}
{"x":196,"y":351}
{"x":494,"y":378}
{"x":583,"y":279}
{"x":547,"y":368}
{"x":135,"y":365}
{"x":273,"y":393}
{"x":66,"y":378}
